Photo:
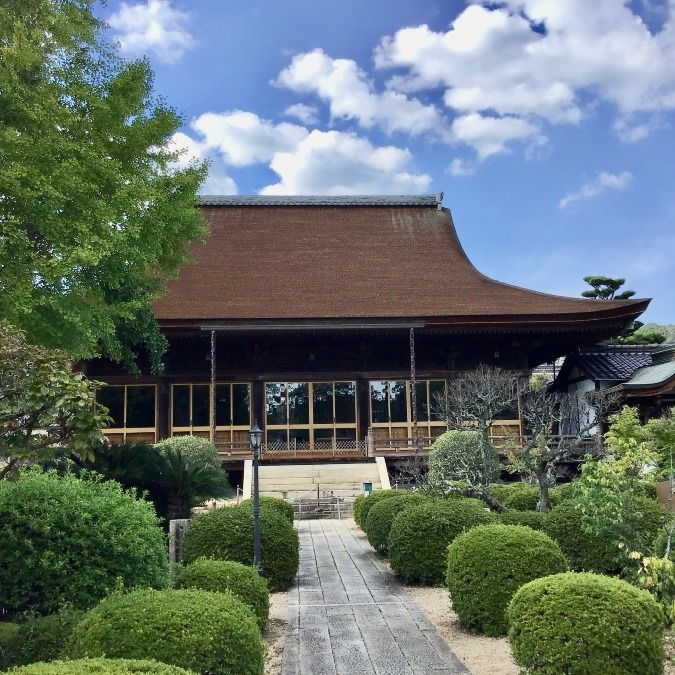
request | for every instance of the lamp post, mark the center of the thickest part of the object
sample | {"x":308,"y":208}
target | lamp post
{"x":256,"y":435}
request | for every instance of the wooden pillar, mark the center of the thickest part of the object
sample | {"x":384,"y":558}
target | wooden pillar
{"x":363,"y":407}
{"x":163,"y":409}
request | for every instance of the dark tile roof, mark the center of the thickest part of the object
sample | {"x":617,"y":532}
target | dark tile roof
{"x":382,"y":258}
{"x":612,"y":365}
{"x":352,"y":200}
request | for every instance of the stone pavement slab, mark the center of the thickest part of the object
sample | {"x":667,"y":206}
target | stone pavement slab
{"x":348,"y":614}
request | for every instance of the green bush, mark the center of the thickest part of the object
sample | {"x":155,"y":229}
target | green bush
{"x":193,"y":448}
{"x":281,"y":506}
{"x":356,"y":508}
{"x":372,"y":499}
{"x":203,"y":631}
{"x":652,"y":518}
{"x":584,"y":552}
{"x":489,"y":563}
{"x":227,"y":534}
{"x":226,"y":575}
{"x":534,"y":519}
{"x":8,"y":633}
{"x":585,"y":624}
{"x":66,"y":541}
{"x":102,"y":667}
{"x":42,"y":638}
{"x":382,"y":514}
{"x":519,"y":496}
{"x":419,"y":537}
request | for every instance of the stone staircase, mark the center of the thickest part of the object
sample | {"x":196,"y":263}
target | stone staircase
{"x":290,"y":481}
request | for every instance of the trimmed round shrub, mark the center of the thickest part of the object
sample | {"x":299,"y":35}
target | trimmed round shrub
{"x":102,"y":667}
{"x":584,"y":552}
{"x":382,"y":514}
{"x":356,"y":508}
{"x":519,"y":496}
{"x":227,"y":534}
{"x":193,"y":448}
{"x":198,"y":630}
{"x":42,"y":638}
{"x":652,"y":518}
{"x":67,"y":541}
{"x":222,"y":576}
{"x":419,"y":537}
{"x":489,"y":563}
{"x":372,"y":499}
{"x":281,"y":506}
{"x":582,"y":623}
{"x":534,"y":519}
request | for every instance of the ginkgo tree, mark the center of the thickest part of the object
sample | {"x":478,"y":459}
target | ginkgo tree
{"x":96,"y":210}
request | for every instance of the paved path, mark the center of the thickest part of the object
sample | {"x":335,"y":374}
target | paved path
{"x":349,"y":616}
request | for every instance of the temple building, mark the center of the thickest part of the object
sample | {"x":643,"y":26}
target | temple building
{"x":335,"y":322}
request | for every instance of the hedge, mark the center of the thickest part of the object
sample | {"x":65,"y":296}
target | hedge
{"x":584,"y":623}
{"x":368,"y":502}
{"x":534,"y":519}
{"x":489,"y":563}
{"x":67,"y":541}
{"x":222,"y":576}
{"x":203,"y":631}
{"x":102,"y":667}
{"x":281,"y":506}
{"x":227,"y":534}
{"x":419,"y":537}
{"x":382,"y":514}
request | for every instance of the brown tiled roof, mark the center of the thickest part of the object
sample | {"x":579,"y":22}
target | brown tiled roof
{"x":341,"y":258}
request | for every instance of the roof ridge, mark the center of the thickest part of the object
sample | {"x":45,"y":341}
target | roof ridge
{"x":434,"y":200}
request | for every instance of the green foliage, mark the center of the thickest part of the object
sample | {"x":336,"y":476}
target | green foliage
{"x":605,"y":288}
{"x":462,"y":457}
{"x":357,"y":505}
{"x":281,"y":506}
{"x":369,"y":501}
{"x":585,"y":623}
{"x":584,"y":550}
{"x":520,"y":496}
{"x":534,"y":519}
{"x":198,"y":630}
{"x":382,"y":514}
{"x":8,"y":633}
{"x":41,"y":638}
{"x":227,"y":534}
{"x":70,"y":541}
{"x":194,"y":449}
{"x":488,"y":564}
{"x":177,"y":483}
{"x":661,"y":431}
{"x":46,"y":409}
{"x":667,"y":329}
{"x":607,"y":489}
{"x":225,"y":575}
{"x":419,"y":537}
{"x":102,"y":667}
{"x":95,"y":211}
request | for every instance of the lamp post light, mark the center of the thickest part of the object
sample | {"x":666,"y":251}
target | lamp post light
{"x":256,"y":435}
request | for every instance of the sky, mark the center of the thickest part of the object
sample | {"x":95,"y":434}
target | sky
{"x":547,"y":124}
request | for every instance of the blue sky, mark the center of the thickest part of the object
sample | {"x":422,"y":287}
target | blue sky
{"x":547,"y":125}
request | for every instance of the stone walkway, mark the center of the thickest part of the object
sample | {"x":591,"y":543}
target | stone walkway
{"x":348,"y":615}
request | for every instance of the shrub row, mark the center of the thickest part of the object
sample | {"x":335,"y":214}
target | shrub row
{"x":381,"y":516}
{"x":102,"y":667}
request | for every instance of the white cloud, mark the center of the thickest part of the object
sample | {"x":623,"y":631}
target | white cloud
{"x":217,"y":181}
{"x":458,"y":167}
{"x":489,"y":135}
{"x":243,"y":138}
{"x":603,"y":182}
{"x":542,"y":59}
{"x":153,"y":27}
{"x":307,"y":114}
{"x":333,"y":163}
{"x":346,"y":89}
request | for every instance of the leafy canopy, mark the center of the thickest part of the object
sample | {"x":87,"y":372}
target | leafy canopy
{"x":45,"y":407}
{"x":605,"y":288}
{"x":94,"y":211}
